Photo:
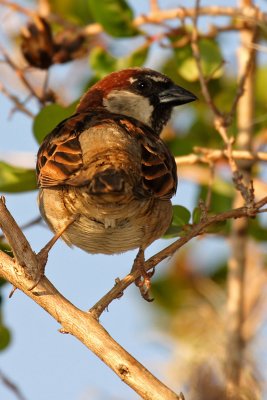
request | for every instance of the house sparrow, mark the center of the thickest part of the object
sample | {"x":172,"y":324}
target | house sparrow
{"x":105,"y":176}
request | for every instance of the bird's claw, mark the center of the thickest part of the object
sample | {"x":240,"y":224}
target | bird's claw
{"x":143,"y":282}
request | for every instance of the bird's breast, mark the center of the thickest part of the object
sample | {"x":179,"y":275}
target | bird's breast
{"x":112,"y":228}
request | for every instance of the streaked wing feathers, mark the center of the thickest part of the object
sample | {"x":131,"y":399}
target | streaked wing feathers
{"x":59,"y":157}
{"x":60,"y":160}
{"x":158,"y":167}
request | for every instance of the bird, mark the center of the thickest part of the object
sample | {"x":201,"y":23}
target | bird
{"x":105,"y":176}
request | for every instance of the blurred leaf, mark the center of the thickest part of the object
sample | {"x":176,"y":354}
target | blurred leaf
{"x":181,"y":215}
{"x":135,"y":59}
{"x":261,"y":76}
{"x":180,"y":221}
{"x":5,"y":337}
{"x":221,"y":200}
{"x":220,"y":274}
{"x":16,"y":179}
{"x":170,"y":69}
{"x":2,"y":282}
{"x":172,"y":292}
{"x":48,"y":118}
{"x":257,"y":231}
{"x":196,"y":215}
{"x":103,"y":63}
{"x":220,"y":186}
{"x":216,"y":227}
{"x":6,"y":249}
{"x":77,"y":11}
{"x":115,"y":16}
{"x":211,"y":59}
{"x":173,"y":232}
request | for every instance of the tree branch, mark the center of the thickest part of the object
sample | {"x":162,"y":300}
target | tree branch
{"x":237,"y":266}
{"x":206,"y":155}
{"x":157,"y":15}
{"x":18,"y":105}
{"x":192,"y":231}
{"x":11,"y":386}
{"x":74,"y":321}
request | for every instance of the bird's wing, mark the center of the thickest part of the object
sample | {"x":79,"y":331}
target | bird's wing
{"x":60,"y":160}
{"x":158,"y":167}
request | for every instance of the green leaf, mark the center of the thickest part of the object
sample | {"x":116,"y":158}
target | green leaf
{"x":180,"y":221}
{"x":196,"y":215}
{"x":16,"y":179}
{"x":181,"y":215}
{"x":6,"y":249}
{"x":76,"y":11}
{"x":2,"y":282}
{"x":211,"y":60}
{"x":48,"y":118}
{"x":103,"y":63}
{"x":171,"y":292}
{"x":216,"y":227}
{"x":257,"y":230}
{"x":221,"y":198}
{"x":5,"y":337}
{"x":173,"y":232}
{"x":115,"y":16}
{"x":135,"y":59}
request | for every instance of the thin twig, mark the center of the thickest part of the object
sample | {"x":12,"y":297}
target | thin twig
{"x":21,"y":75}
{"x":195,"y":230}
{"x":12,"y":386}
{"x":197,"y":56}
{"x":258,"y":47}
{"x":18,"y":8}
{"x":206,"y":155}
{"x":210,"y":185}
{"x":154,"y":6}
{"x":18,"y":105}
{"x":254,"y":16}
{"x":220,"y":120}
{"x":242,"y":82}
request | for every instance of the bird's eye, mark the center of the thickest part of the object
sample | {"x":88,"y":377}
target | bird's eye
{"x":143,"y":85}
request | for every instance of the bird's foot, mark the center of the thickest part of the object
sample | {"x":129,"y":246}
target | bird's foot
{"x":43,"y":253}
{"x":143,"y":282}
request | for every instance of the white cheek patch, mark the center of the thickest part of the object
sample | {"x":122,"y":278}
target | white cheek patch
{"x":131,"y":104}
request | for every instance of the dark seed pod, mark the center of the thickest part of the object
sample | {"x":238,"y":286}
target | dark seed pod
{"x":69,"y":46}
{"x":37,"y":44}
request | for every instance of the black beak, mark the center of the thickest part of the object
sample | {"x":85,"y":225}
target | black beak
{"x":176,"y":96}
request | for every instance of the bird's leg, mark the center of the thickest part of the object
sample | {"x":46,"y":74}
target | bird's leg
{"x":143,"y":280}
{"x":43,"y":253}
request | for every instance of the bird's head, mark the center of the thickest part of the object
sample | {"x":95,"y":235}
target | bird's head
{"x":141,"y":93}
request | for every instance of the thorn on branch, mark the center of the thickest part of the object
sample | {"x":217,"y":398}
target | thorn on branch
{"x":12,"y":292}
{"x":117,"y":282}
{"x":63,"y":331}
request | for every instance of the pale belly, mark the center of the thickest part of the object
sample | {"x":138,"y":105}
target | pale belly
{"x":108,"y":228}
